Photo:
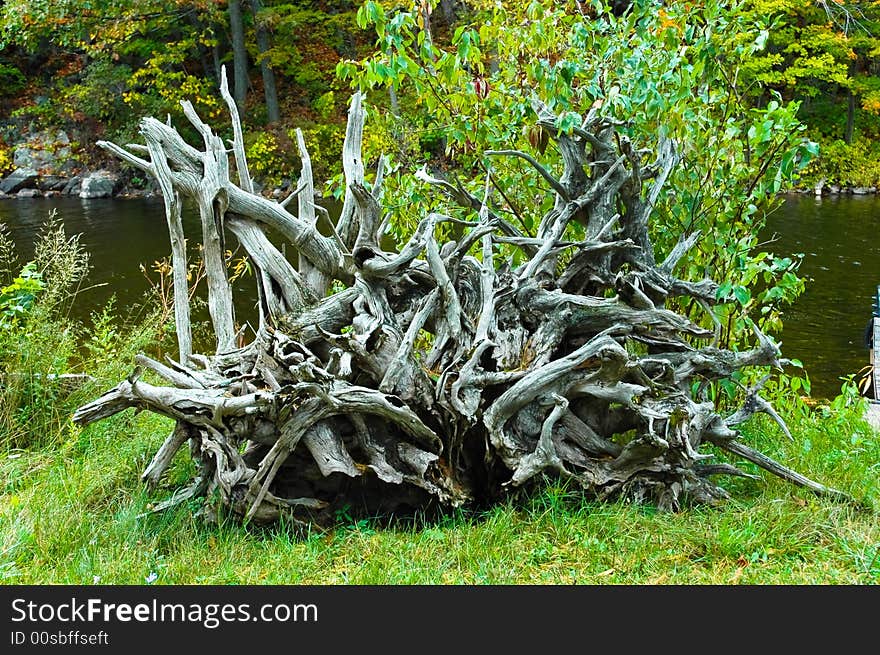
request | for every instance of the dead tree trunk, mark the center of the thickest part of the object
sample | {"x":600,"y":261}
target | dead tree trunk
{"x":442,"y":373}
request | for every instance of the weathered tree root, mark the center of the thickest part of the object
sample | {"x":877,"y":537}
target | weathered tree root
{"x":443,"y":374}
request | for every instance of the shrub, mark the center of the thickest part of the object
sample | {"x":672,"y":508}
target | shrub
{"x":846,"y":165}
{"x":40,"y":344}
{"x":6,"y":161}
{"x":17,"y":298}
{"x":12,"y":80}
{"x":37,"y":340}
{"x":267,"y":161}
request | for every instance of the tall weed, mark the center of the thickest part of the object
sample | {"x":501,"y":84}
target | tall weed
{"x":49,"y":363}
{"x":37,"y":341}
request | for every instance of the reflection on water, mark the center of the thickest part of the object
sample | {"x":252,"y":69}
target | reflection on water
{"x":824,"y":329}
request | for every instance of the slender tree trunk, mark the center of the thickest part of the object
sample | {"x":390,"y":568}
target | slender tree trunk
{"x":263,"y":45}
{"x":425,"y":11}
{"x":392,"y":97}
{"x":850,"y":117}
{"x":493,"y":61}
{"x":854,"y":69}
{"x":198,"y":27}
{"x":448,"y":8}
{"x":239,"y":54}
{"x":215,"y":52}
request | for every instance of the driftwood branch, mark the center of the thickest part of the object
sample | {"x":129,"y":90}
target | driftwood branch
{"x":439,"y":374}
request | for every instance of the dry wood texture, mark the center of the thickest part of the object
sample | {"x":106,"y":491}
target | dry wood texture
{"x":442,"y":374}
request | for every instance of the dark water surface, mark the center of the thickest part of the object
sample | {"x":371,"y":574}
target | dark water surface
{"x":119,"y":236}
{"x":837,"y":235}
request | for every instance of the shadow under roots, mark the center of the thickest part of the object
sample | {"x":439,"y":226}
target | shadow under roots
{"x":335,"y":499}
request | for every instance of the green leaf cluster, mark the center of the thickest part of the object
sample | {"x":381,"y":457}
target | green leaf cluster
{"x":17,"y":298}
{"x":660,"y":71}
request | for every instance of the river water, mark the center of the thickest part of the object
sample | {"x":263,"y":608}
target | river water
{"x":825,"y":326}
{"x":823,"y":329}
{"x":119,"y":236}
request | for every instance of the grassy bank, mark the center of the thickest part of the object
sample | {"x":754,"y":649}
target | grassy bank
{"x":70,"y":513}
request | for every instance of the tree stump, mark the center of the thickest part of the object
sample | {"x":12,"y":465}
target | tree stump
{"x":439,"y":374}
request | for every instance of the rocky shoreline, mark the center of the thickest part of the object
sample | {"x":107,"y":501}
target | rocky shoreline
{"x":102,"y":183}
{"x":31,"y":183}
{"x":47,"y":165}
{"x":822,"y":189}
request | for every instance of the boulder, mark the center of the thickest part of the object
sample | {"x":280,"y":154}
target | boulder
{"x":18,"y":179}
{"x":72,"y":187}
{"x":101,"y":184}
{"x":28,"y":193}
{"x":863,"y":190}
{"x":43,"y":151}
{"x":51,"y":183}
{"x":27,"y":157}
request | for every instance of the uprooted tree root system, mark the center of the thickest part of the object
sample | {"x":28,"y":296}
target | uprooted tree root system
{"x":441,"y":374}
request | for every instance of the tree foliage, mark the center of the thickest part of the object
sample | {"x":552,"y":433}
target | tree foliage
{"x":818,"y":50}
{"x":658,"y":69}
{"x":114,"y":58}
{"x":102,"y":63}
{"x":106,"y":61}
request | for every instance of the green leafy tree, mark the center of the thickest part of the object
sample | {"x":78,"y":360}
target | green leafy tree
{"x":819,"y":51}
{"x":664,"y":72}
{"x":112,"y":59}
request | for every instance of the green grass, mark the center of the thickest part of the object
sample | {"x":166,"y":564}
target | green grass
{"x":72,"y":513}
